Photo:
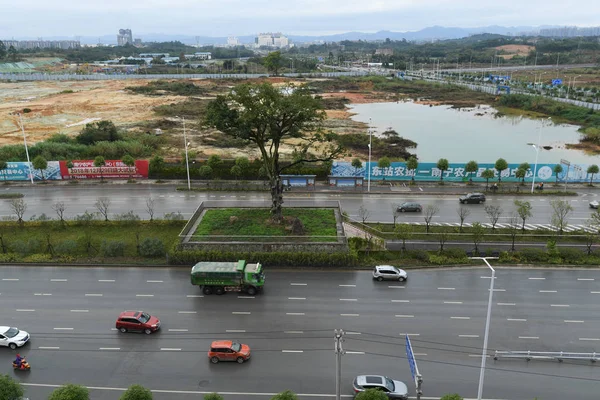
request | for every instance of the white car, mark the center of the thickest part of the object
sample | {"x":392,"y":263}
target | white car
{"x":389,"y":273}
{"x":594,"y":204}
{"x":12,"y":337}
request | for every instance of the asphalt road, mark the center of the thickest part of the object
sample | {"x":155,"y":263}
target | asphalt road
{"x":70,"y":313}
{"x":124,"y":198}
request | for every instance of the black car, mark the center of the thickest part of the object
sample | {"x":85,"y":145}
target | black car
{"x":472,"y":198}
{"x":404,"y":207}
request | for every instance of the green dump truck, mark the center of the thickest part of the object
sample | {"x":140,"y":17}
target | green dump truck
{"x":221,"y":277}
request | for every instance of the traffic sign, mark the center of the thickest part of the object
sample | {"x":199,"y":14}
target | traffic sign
{"x":411,"y":359}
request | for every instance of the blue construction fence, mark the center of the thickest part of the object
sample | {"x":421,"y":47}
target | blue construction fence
{"x":456,"y":172}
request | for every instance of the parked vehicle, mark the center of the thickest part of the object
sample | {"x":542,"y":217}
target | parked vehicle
{"x":408,"y":207}
{"x":392,"y":388}
{"x":389,"y":273}
{"x":137,"y":321}
{"x":13,"y":337}
{"x":472,"y":198}
{"x":221,"y":277}
{"x":226,"y":350}
{"x":594,"y":204}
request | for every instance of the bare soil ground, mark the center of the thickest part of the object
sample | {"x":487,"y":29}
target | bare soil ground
{"x":514,"y":50}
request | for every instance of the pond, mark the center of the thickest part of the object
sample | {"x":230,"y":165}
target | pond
{"x":465,"y":134}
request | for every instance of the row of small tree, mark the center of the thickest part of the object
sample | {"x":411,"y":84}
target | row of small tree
{"x":472,"y":167}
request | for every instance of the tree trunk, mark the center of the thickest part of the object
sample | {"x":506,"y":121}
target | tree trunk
{"x":276,"y":198}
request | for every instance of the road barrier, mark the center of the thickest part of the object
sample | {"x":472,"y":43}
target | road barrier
{"x":546,"y":355}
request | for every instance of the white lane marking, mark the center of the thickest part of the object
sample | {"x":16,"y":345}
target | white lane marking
{"x":446,"y":288}
{"x":574,"y":321}
{"x":187,"y":312}
{"x":292,"y":351}
{"x":348,"y":299}
{"x":516,"y":319}
{"x":298,"y":284}
{"x":488,"y":277}
{"x":113,"y":329}
{"x":498,"y":290}
{"x":80,"y":310}
{"x":460,"y":317}
{"x":154,"y":281}
{"x":144,"y":295}
{"x":453,"y":302}
{"x":410,"y":334}
{"x":178,"y":330}
{"x":10,"y":279}
{"x":353,"y":333}
{"x":347,"y":285}
{"x":506,"y":304}
{"x":25,"y":310}
{"x":240,"y":312}
{"x":420,"y":354}
{"x":529,"y":337}
{"x":593,"y":292}
{"x":548,"y":291}
{"x":235,"y":330}
{"x":194,"y":295}
{"x":537,"y":279}
{"x":294,"y":332}
{"x":355,"y":352}
{"x":585,"y":279}
{"x":48,"y":348}
{"x":479,"y":355}
{"x":246,"y":297}
{"x":296,"y":298}
{"x":94,"y":294}
{"x":42,"y":294}
{"x":468,"y":336}
{"x":400,"y":301}
{"x":169,"y":349}
{"x":404,"y":316}
{"x":109,"y":348}
{"x":106,"y":280}
{"x":58,"y":280}
{"x":349,"y":315}
{"x":396,"y":287}
{"x":559,"y":305}
{"x":589,"y":339}
{"x":292,"y":313}
{"x":63,"y":329}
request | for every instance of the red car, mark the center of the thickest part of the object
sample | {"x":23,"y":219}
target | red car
{"x":226,"y":350}
{"x":137,"y":321}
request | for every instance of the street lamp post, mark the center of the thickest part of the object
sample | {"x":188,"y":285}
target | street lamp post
{"x":537,"y":152}
{"x":187,"y":163}
{"x":26,"y":148}
{"x":369,"y":163}
{"x":487,"y":324}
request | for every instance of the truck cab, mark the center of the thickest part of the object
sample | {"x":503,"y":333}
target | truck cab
{"x":254,"y":275}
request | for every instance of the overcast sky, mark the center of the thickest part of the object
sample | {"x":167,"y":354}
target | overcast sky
{"x":39,"y":18}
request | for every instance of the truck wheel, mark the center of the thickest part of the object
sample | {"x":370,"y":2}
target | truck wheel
{"x":251,"y":291}
{"x":207,"y":291}
{"x":219,"y":291}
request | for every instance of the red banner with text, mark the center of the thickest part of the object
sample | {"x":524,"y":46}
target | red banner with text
{"x":114,"y":169}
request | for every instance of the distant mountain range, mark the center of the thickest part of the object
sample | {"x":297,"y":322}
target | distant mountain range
{"x":429,"y":33}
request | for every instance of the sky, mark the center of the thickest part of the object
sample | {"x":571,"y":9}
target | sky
{"x":47,"y":18}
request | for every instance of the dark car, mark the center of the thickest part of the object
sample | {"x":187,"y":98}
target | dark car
{"x":407,"y":207}
{"x":472,"y":198}
{"x":137,"y":321}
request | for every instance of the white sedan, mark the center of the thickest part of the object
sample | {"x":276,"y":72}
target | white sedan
{"x":594,"y":204}
{"x":12,"y":337}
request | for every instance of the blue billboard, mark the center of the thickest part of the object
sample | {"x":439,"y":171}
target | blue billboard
{"x":19,"y":171}
{"x":456,"y":172}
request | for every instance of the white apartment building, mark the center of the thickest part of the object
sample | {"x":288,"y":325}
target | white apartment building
{"x":276,"y":40}
{"x":233,"y":41}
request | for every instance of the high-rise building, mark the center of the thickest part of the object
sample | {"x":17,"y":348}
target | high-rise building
{"x":233,"y":41}
{"x":272,"y":40}
{"x":124,"y":37}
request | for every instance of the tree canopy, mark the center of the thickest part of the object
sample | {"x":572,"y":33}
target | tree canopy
{"x":268,"y":116}
{"x":9,"y":388}
{"x":136,"y":392}
{"x":70,"y":392}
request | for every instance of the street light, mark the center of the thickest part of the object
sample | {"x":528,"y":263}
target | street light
{"x":571,"y":84}
{"x":26,"y":148}
{"x":369,"y":163}
{"x":186,"y":144}
{"x":537,"y":151}
{"x":487,"y":323}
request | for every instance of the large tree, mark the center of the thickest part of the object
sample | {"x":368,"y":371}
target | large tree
{"x":10,"y":388}
{"x":2,"y":50}
{"x":273,"y":61}
{"x":269,"y":116}
{"x":40,"y":163}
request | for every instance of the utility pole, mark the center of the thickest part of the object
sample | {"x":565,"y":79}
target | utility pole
{"x":339,"y":352}
{"x":26,"y":149}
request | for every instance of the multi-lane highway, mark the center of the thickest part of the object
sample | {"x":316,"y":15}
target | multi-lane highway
{"x":124,"y":198}
{"x":70,"y":313}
